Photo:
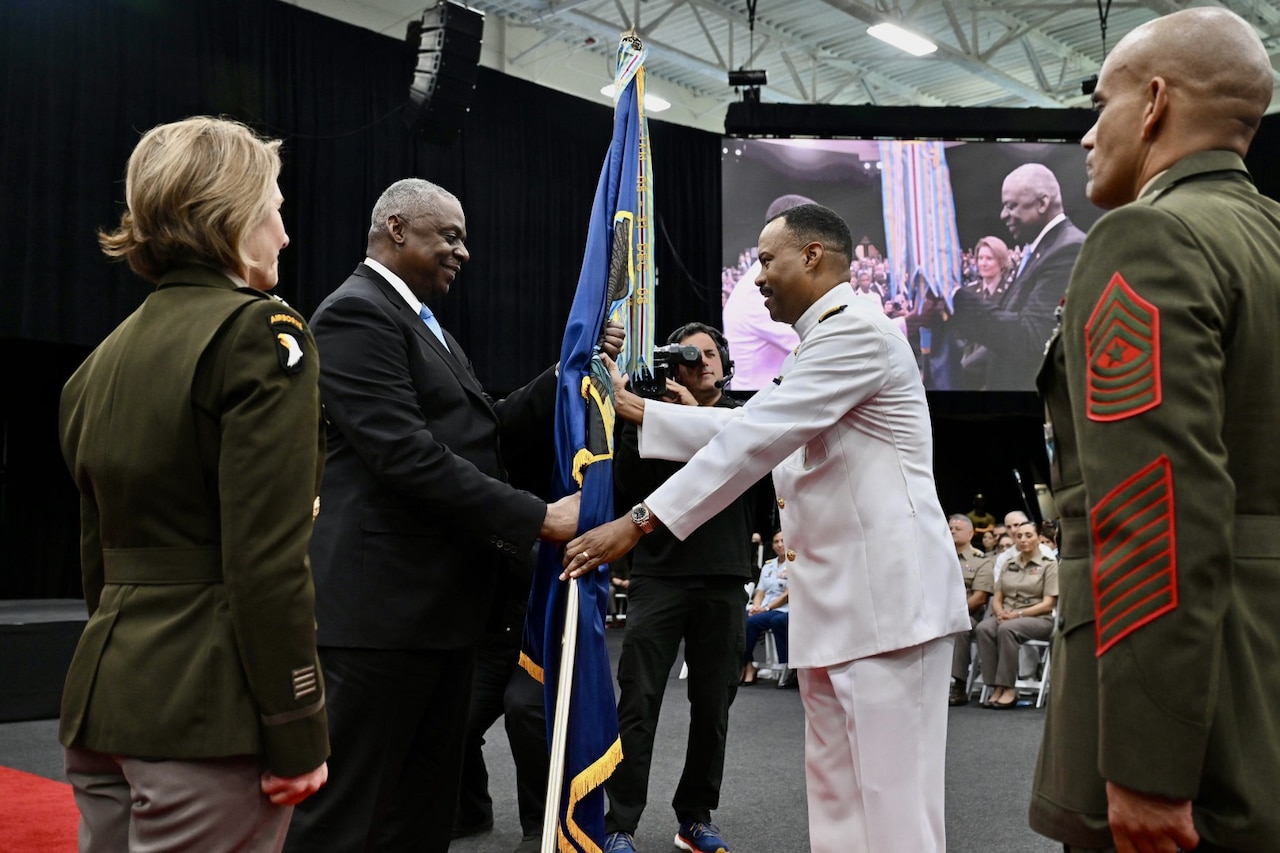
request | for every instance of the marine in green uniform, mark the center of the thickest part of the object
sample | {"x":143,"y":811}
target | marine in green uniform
{"x":193,"y":712}
{"x":1163,"y":396}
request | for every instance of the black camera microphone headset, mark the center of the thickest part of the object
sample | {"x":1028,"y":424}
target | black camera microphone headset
{"x":717,"y":337}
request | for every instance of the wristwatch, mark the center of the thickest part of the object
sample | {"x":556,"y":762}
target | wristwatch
{"x":641,"y":518}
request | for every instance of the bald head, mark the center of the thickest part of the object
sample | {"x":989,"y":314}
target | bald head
{"x":1196,"y":80}
{"x":1014,"y":518}
{"x":1212,"y":54}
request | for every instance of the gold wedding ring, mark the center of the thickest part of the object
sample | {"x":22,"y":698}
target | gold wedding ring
{"x":586,"y":555}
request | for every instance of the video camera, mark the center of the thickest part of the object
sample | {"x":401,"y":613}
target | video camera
{"x":653,"y":383}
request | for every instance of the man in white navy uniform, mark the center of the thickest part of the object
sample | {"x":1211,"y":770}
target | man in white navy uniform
{"x":875,"y":596}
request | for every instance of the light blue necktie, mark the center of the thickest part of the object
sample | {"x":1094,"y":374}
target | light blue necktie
{"x":1022,"y":264}
{"x":433,"y":324}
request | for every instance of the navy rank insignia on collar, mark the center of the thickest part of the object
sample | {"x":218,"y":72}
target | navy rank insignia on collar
{"x":831,"y":312}
{"x":287,"y":330}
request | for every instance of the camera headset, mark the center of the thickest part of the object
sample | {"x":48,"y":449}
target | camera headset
{"x":717,"y":337}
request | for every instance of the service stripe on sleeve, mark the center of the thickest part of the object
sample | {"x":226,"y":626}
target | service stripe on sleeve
{"x":1134,"y":568}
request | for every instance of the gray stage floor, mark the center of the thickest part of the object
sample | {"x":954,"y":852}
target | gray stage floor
{"x":990,"y":760}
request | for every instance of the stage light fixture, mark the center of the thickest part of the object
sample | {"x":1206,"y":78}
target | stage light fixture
{"x":748,"y":78}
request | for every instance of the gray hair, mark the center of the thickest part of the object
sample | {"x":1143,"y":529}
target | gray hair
{"x":1038,"y":179}
{"x":409,"y":199}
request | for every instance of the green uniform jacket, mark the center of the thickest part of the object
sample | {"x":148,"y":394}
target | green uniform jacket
{"x":193,"y":435}
{"x":1163,"y":392}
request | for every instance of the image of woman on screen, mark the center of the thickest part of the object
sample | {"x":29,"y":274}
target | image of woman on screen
{"x":993,"y":267}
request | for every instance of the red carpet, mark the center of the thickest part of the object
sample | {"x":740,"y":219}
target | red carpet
{"x":37,"y":815}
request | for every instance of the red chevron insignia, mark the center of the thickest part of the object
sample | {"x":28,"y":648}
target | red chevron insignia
{"x":1134,"y":559}
{"x":1122,"y":341}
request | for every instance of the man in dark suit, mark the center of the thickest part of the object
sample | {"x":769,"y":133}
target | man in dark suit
{"x":1016,"y":328}
{"x":1163,"y":402}
{"x":417,"y":521}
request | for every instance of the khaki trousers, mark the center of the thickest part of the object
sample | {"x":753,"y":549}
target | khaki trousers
{"x":194,"y":806}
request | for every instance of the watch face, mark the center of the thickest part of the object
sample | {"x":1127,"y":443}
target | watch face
{"x":639,"y":514}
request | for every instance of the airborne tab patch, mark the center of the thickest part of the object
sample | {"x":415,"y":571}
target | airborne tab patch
{"x":1135,"y":576}
{"x":1122,"y":341}
{"x":286,"y":318}
{"x":286,"y":329}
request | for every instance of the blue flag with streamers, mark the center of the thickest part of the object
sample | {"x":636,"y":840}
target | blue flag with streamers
{"x":616,"y":259}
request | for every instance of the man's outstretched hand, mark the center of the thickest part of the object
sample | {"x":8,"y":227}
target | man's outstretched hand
{"x":604,"y":544}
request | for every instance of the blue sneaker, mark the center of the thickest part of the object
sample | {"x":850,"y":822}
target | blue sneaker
{"x":619,"y":842}
{"x":700,"y":838}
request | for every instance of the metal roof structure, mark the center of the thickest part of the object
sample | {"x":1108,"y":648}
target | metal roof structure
{"x":1016,"y":53}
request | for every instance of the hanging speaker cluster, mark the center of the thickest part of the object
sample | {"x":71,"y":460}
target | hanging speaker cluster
{"x":447,"y":42}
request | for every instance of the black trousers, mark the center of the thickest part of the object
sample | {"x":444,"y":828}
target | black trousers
{"x":712,"y":622}
{"x":503,"y":689}
{"x":396,"y":724}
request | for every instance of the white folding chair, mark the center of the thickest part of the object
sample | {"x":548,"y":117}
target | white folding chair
{"x":770,"y":667}
{"x":1038,"y":680}
{"x":975,"y":681}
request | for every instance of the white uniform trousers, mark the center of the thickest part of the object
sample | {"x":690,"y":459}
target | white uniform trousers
{"x":875,"y":751}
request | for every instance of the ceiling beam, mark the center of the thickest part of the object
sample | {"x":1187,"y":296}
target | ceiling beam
{"x":589,"y":25}
{"x":1033,"y":96}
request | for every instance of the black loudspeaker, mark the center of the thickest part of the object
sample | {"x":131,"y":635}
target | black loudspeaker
{"x":447,"y":40}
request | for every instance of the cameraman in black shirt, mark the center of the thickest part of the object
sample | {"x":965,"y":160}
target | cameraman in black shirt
{"x":691,"y":590}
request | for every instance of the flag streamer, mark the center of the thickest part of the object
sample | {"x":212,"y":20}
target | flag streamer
{"x":922,"y":242}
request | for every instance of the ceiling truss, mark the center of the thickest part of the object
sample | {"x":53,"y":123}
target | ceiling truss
{"x":990,"y":52}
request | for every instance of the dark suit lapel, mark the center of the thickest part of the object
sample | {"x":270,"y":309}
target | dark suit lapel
{"x":1014,"y":296}
{"x":1047,"y":245}
{"x":413,"y":321}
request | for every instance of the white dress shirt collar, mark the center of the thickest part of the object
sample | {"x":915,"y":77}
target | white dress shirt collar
{"x":1030,"y":251}
{"x":397,"y":282}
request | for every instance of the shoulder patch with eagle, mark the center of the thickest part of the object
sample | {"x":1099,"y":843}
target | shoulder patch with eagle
{"x":287,"y":330}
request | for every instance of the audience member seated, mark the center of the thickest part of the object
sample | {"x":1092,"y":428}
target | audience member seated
{"x":989,"y":540}
{"x":979,"y":583}
{"x":1011,"y":520}
{"x":1026,"y":594}
{"x":768,"y":612}
{"x":1049,"y":536}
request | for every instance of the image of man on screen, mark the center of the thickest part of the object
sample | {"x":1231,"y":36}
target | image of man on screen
{"x":758,"y":342}
{"x":1015,"y":328}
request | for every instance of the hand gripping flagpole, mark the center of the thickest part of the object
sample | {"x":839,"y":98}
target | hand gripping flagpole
{"x":629,"y":277}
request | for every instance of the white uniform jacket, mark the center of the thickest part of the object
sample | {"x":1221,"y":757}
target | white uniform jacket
{"x":846,"y":431}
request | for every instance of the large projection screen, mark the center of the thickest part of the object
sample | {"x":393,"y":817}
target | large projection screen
{"x":944,"y":215}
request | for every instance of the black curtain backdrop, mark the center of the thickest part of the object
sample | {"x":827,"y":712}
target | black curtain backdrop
{"x":80,"y":80}
{"x":84,"y":78}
